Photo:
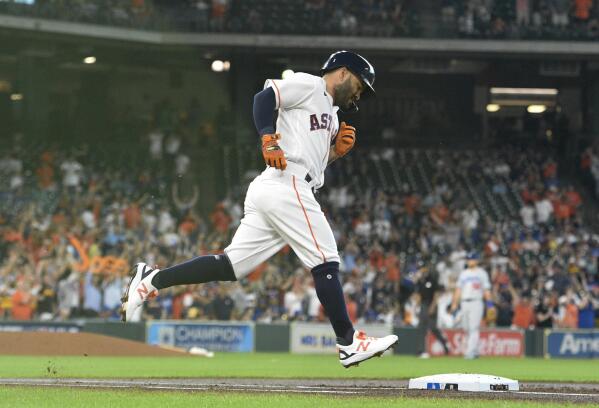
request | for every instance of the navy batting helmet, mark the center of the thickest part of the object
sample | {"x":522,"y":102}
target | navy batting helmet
{"x":472,"y":256}
{"x":356,"y":63}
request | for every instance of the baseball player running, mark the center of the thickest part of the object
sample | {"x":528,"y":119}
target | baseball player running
{"x":280,"y":207}
{"x":473,"y":285}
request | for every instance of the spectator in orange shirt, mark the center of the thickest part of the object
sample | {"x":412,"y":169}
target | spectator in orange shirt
{"x":573,"y":198}
{"x":582,"y":9}
{"x":219,"y":11}
{"x":376,"y":257}
{"x":412,"y":203}
{"x":22,"y":302}
{"x":12,"y":235}
{"x":392,"y":267}
{"x":570,"y":319}
{"x":189,"y":224}
{"x":177,"y":308}
{"x":527,"y":195}
{"x":549,"y":170}
{"x":562,"y":210}
{"x":524,"y":314}
{"x":220,"y":219}
{"x":132,"y":215}
{"x":568,"y":311}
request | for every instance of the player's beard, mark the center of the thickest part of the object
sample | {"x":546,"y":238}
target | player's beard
{"x":343,"y":94}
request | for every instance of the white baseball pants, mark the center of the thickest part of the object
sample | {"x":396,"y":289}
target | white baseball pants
{"x":280,"y":209}
{"x":472,"y":314}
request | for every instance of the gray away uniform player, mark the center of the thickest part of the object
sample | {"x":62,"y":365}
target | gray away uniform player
{"x":280,"y":208}
{"x":472,"y":287}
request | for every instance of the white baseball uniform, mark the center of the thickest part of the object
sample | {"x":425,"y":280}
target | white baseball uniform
{"x":472,"y":282}
{"x":280,"y":207}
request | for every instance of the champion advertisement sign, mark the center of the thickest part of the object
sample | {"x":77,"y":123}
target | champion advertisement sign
{"x":491,"y":343}
{"x":572,"y":344}
{"x":211,"y":336}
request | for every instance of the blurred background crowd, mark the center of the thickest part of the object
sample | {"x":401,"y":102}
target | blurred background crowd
{"x":515,"y":19}
{"x":74,"y":220}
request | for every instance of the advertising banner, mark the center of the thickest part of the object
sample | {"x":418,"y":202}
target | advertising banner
{"x":17,"y":326}
{"x":320,"y":338}
{"x":212,"y":336}
{"x":492,"y":342}
{"x":572,"y":343}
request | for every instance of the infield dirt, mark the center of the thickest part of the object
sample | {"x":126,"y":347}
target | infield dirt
{"x":76,"y":344}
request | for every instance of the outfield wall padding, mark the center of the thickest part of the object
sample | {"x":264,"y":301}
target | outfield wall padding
{"x":411,"y":340}
{"x":128,"y":331}
{"x":534,"y":343}
{"x":273,"y":337}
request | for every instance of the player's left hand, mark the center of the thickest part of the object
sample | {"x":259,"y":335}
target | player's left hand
{"x":346,"y":137}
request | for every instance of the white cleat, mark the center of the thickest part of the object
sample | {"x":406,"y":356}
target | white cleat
{"x":139,"y":290}
{"x":364,"y":348}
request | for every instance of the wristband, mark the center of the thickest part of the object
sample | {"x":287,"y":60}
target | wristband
{"x":489,"y":303}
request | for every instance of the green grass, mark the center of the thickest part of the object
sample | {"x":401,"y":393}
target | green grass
{"x":61,"y":397}
{"x":272,"y":365}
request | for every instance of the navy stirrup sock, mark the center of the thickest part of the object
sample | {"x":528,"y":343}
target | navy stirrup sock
{"x":330,"y":294}
{"x":209,"y":268}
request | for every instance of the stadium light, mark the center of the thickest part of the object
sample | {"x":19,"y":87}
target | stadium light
{"x":493,"y":107}
{"x":89,"y":60}
{"x":524,"y":91}
{"x":218,"y":66}
{"x":16,"y":97}
{"x":536,"y":108}
{"x":287,"y":73}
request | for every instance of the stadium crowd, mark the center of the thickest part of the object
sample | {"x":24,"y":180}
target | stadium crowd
{"x":71,"y":228}
{"x":514,"y":19}
{"x":556,"y":19}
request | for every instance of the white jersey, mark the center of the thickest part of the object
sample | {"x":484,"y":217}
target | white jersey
{"x":280,"y":208}
{"x":307,"y":122}
{"x":472,"y":283}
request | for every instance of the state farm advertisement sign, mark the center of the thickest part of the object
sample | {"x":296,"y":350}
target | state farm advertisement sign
{"x":491,"y":343}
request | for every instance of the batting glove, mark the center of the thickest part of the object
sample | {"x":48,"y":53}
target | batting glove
{"x":272,"y":152}
{"x":345,"y":139}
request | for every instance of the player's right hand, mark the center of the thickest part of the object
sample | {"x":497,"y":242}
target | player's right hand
{"x":272,"y":152}
{"x":345,"y":140}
